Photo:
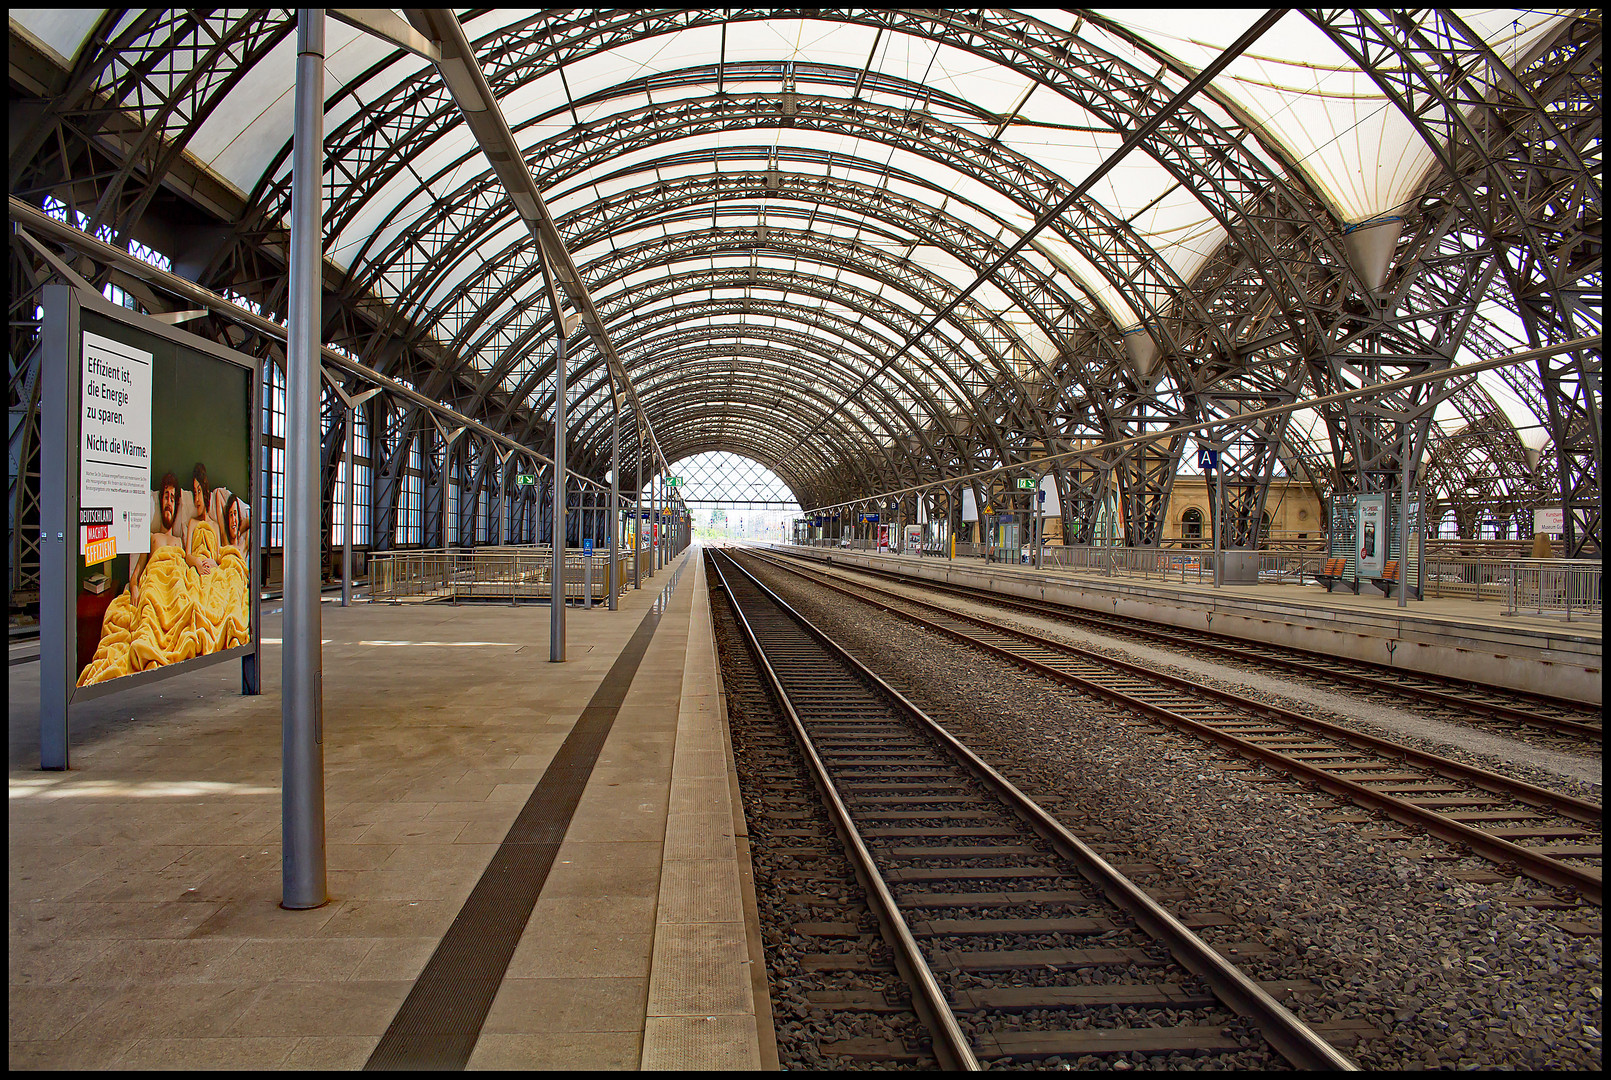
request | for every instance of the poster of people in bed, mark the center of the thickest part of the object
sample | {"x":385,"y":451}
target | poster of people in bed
{"x":164,"y":506}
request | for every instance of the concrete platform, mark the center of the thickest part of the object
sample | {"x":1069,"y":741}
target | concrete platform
{"x":1461,"y":638}
{"x":144,"y":926}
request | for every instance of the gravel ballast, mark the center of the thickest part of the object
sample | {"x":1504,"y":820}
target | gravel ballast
{"x":1446,"y":970}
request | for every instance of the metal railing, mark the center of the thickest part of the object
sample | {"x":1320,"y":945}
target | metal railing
{"x":494,"y":573}
{"x":1569,"y":587}
{"x":1553,"y":586}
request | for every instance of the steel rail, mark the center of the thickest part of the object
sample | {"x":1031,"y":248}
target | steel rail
{"x":1291,"y":1037}
{"x":1305,"y":661}
{"x":1580,"y":809}
{"x":951,"y":1045}
{"x":1541,"y":867}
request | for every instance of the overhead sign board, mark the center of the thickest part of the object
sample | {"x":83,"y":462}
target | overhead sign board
{"x":1549,"y":520}
{"x":1207,"y":460}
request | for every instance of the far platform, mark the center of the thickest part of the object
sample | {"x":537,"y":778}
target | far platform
{"x":144,"y":925}
{"x":1461,"y":638}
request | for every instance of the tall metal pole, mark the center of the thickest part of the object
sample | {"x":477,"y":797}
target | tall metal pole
{"x":352,"y":471}
{"x":637,"y":507}
{"x":615,"y":498}
{"x":556,"y":593}
{"x":654,"y":519}
{"x":302,"y":873}
{"x":1219,"y":513}
{"x":1404,"y":522}
{"x":503,"y":476}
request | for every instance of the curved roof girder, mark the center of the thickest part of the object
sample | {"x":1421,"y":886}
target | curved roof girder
{"x":1493,"y":143}
{"x":1258,"y":187}
{"x":1553,"y":403}
{"x":680,"y":402}
{"x":873,"y":446}
{"x":1020,"y":43}
{"x":1088,"y":226}
{"x":693,"y":343}
{"x":737,"y":242}
{"x":988,"y":338}
{"x":792,"y":283}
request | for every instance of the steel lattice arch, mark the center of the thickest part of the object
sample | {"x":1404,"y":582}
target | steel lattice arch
{"x":771,"y":205}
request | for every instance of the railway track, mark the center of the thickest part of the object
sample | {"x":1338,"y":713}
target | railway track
{"x":1572,"y":723}
{"x":992,"y":909}
{"x":1548,"y":836}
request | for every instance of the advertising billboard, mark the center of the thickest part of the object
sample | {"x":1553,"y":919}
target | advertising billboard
{"x":1371,"y":537}
{"x":151,"y":476}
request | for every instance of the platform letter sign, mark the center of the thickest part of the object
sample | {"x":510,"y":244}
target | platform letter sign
{"x":1372,"y":538}
{"x":114,"y":452}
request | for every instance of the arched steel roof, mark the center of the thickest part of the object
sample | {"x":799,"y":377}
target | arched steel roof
{"x":769,"y":205}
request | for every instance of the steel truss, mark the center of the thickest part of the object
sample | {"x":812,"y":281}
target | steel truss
{"x":1509,"y":215}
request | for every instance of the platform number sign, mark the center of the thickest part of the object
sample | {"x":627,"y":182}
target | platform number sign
{"x":1207,"y":460}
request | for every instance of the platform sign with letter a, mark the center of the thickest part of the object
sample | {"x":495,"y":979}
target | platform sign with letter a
{"x":1207,"y":460}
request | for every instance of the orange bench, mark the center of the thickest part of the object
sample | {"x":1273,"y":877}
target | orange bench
{"x":1389,"y":579}
{"x":1333,"y":573}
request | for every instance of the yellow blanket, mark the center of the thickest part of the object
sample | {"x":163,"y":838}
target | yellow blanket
{"x":182,"y":614}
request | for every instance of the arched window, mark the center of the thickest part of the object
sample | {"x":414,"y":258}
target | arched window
{"x":1191,"y":524}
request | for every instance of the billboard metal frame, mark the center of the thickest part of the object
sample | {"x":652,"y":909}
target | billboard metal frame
{"x":61,"y":335}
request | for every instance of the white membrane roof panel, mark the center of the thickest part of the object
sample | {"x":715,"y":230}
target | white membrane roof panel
{"x":1307,"y":95}
{"x":1301,"y":92}
{"x":63,"y":29}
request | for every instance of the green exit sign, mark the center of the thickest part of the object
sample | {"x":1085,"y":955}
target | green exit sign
{"x":525,"y":479}
{"x":674,"y":481}
{"x":1026,"y":483}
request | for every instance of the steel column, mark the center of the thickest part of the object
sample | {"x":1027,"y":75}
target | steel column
{"x":556,"y":589}
{"x":615,"y":499}
{"x":301,"y":709}
{"x":637,"y":504}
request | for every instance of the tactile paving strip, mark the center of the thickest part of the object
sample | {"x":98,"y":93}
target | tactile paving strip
{"x":700,"y":1042}
{"x":700,"y":890}
{"x":699,"y":970}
